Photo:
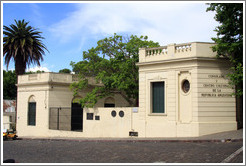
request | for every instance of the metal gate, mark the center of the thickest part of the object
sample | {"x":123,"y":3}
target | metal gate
{"x":66,"y":118}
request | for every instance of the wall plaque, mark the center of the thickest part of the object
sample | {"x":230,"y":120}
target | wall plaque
{"x":135,"y":109}
{"x":217,"y":89}
{"x":89,"y":116}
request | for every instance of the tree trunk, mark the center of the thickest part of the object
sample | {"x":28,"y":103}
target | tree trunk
{"x":239,"y":110}
{"x":20,"y":67}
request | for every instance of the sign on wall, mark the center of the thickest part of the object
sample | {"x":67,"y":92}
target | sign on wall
{"x":134,"y":109}
{"x":216,"y":88}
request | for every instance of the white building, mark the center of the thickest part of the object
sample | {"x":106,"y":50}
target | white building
{"x":183,"y":92}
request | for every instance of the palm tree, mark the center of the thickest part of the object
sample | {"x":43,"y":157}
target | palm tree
{"x":23,"y":44}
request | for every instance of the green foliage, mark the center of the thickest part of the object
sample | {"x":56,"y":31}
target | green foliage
{"x":113,"y":65}
{"x":9,"y":88}
{"x":65,"y":71}
{"x":229,"y":40}
{"x":236,"y":77}
{"x":23,"y":44}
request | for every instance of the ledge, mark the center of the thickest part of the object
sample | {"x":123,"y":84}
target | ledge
{"x":157,"y":114}
{"x":43,"y":83}
{"x":179,"y":60}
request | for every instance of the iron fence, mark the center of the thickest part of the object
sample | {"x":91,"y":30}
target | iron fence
{"x":65,"y":118}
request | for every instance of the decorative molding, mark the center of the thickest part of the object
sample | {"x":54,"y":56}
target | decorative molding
{"x":43,"y":83}
{"x":180,"y":60}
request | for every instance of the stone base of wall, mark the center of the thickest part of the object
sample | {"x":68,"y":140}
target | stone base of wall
{"x":212,"y":127}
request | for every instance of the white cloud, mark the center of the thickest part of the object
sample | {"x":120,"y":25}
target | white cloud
{"x":34,"y":69}
{"x":9,"y":69}
{"x":164,"y":22}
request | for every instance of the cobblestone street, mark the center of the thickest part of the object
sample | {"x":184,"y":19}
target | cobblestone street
{"x":75,"y":151}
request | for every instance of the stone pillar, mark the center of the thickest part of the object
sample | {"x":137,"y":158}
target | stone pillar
{"x":142,"y":54}
{"x":171,"y":49}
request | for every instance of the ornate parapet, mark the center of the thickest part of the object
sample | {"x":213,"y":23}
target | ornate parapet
{"x":176,"y":51}
{"x":44,"y":78}
{"x":52,"y":78}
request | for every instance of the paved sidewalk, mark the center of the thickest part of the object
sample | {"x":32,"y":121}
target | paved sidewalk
{"x":229,"y":136}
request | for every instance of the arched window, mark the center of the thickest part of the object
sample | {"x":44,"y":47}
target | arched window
{"x":31,"y":111}
{"x":109,"y":102}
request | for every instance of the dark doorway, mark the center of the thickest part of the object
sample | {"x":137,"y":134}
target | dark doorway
{"x":77,"y":117}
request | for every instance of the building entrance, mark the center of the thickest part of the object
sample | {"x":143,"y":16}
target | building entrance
{"x":76,"y":117}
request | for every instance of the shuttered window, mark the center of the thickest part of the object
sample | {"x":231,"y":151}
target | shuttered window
{"x":32,"y":113}
{"x":158,"y":97}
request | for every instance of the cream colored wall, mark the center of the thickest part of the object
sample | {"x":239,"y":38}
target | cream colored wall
{"x":107,"y":126}
{"x":186,"y":114}
{"x":62,"y":96}
{"x":168,"y":124}
{"x":56,"y":93}
{"x":41,"y":98}
{"x":216,"y":105}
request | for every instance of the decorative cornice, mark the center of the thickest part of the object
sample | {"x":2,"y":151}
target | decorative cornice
{"x":44,"y":83}
{"x":179,"y":60}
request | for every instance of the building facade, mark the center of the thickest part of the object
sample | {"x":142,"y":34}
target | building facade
{"x":9,"y":114}
{"x":183,"y":92}
{"x":197,"y":98}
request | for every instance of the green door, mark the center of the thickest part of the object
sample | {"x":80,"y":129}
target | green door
{"x":158,"y":97}
{"x":32,"y":113}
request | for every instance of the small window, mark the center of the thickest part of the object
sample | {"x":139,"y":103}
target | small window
{"x":113,"y":113}
{"x":109,"y":105}
{"x":121,"y":113}
{"x":186,"y":86}
{"x":109,"y":102}
{"x":32,"y":113}
{"x":158,"y":97}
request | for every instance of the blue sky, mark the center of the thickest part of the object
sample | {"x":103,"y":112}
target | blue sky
{"x":71,"y":28}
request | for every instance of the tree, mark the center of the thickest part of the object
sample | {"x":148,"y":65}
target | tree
{"x":65,"y":71}
{"x":23,"y":44}
{"x":9,"y":88}
{"x":229,"y":43}
{"x":229,"y":40}
{"x":112,"y":63}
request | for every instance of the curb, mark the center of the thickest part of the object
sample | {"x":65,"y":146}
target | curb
{"x":232,"y":156}
{"x":127,"y":140}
